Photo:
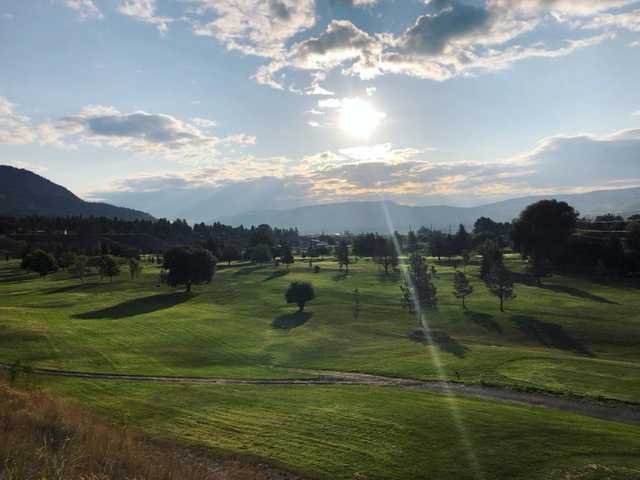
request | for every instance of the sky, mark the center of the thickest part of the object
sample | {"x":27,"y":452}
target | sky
{"x":200,"y":108}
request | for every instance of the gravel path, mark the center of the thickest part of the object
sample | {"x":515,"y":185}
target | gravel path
{"x":609,"y":410}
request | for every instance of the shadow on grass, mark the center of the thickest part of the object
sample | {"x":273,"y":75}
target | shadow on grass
{"x":442,"y":340}
{"x":11,"y":336}
{"x":73,"y":288}
{"x":138,"y":306}
{"x":338,"y":277}
{"x":549,"y":334}
{"x":486,"y":321}
{"x":16,"y":277}
{"x":248,"y":270}
{"x":276,"y":274}
{"x":291,"y":320}
{"x":528,"y":280}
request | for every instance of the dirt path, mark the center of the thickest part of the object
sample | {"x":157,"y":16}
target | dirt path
{"x":610,"y":410}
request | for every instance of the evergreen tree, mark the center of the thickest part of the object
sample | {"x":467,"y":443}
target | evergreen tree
{"x":461,"y":287}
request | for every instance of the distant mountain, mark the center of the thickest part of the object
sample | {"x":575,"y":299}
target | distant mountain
{"x":24,"y":193}
{"x":381,"y":216}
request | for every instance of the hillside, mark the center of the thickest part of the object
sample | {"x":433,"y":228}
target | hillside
{"x":24,"y":193}
{"x":372,"y":216}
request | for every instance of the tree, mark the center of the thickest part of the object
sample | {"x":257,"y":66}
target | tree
{"x":79,"y":267}
{"x":135,"y":267}
{"x":461,"y":287}
{"x":491,"y":256}
{"x":285,"y":255}
{"x":299,"y":293}
{"x":386,"y":255}
{"x":500,"y":284}
{"x":542,"y":231}
{"x":342,"y":254}
{"x":65,"y":259}
{"x":633,"y":238}
{"x":418,"y":290}
{"x":461,"y":240}
{"x":188,"y":265}
{"x":108,"y":267}
{"x":261,"y":253}
{"x":412,"y":242}
{"x":262,"y":235}
{"x":466,"y":258}
{"x":231,"y":252}
{"x":40,"y":262}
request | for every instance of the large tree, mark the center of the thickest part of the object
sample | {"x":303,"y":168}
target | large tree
{"x":299,"y":293}
{"x":189,"y":265}
{"x":108,"y":267}
{"x":418,"y":290}
{"x":40,"y":262}
{"x":385,"y":254}
{"x":491,"y":256}
{"x":500,"y":284}
{"x":542,"y":231}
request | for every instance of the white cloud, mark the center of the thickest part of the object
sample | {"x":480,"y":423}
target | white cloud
{"x":145,"y":11}
{"x":256,"y":27}
{"x":15,"y":128}
{"x":86,"y":9}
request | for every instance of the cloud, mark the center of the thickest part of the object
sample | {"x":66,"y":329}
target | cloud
{"x":453,"y":38}
{"x":145,"y":11}
{"x":85,"y":9}
{"x":253,"y":27}
{"x":15,"y":128}
{"x":626,"y":21}
{"x":145,"y":133}
{"x":557,"y":164}
{"x":137,"y":132}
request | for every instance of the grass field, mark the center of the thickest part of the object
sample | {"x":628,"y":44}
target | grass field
{"x":571,"y":335}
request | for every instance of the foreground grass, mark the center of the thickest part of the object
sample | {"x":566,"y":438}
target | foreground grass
{"x":377,"y":432}
{"x":44,"y":437}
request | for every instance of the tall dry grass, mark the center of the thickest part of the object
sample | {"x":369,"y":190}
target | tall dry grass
{"x":42,"y":437}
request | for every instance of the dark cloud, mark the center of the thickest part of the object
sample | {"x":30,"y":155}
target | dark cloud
{"x":432,"y":33}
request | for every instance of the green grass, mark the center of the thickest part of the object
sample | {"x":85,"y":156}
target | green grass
{"x":381,"y":432}
{"x":571,"y":335}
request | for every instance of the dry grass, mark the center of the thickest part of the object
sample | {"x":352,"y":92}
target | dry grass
{"x":42,"y":437}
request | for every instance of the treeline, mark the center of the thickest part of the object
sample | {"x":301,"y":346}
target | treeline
{"x":100,"y":236}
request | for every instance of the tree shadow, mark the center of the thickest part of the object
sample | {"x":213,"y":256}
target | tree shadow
{"x":73,"y":288}
{"x":289,"y":321}
{"x":276,"y":274}
{"x":247,"y":270}
{"x":16,"y":277}
{"x":486,"y":321}
{"x":138,"y":306}
{"x":526,"y":279}
{"x":338,"y":277}
{"x":549,"y":334}
{"x":442,"y":340}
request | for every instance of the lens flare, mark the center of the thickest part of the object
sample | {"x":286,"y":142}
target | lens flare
{"x":451,"y":399}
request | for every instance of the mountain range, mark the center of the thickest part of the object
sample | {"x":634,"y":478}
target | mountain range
{"x":23,"y":192}
{"x":386,"y":216}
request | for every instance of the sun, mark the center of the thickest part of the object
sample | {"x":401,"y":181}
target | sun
{"x":359,"y":118}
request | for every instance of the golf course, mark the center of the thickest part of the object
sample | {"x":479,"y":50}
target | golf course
{"x":342,"y":389}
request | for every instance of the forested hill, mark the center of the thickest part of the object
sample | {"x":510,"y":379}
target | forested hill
{"x":23,"y":192}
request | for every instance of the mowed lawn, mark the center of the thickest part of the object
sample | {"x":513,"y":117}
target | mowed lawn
{"x":571,"y":335}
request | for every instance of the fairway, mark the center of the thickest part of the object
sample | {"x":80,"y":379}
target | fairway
{"x":556,"y":337}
